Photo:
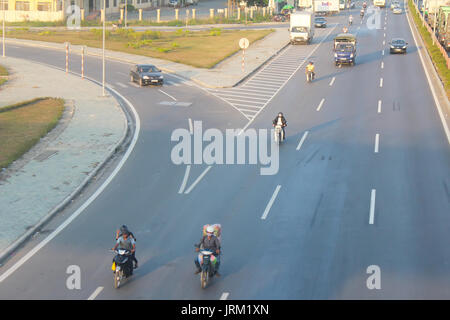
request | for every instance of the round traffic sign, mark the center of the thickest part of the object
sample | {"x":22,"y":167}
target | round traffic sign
{"x":244,"y":43}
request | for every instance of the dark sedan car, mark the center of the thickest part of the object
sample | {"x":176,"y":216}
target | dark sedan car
{"x":320,"y":22}
{"x":146,"y":74}
{"x":398,"y":45}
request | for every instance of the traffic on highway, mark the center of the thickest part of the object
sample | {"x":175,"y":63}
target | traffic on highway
{"x":296,"y":158}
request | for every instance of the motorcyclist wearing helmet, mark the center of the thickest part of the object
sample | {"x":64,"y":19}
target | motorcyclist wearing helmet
{"x":210,"y":243}
{"x":350,"y":20}
{"x":281,"y":120}
{"x":125,"y":242}
{"x":119,"y":233}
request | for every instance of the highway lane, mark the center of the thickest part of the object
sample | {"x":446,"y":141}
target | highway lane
{"x":316,"y":241}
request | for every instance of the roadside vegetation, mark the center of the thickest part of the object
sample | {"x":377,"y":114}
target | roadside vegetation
{"x":202,"y":49}
{"x":257,"y":18}
{"x":433,"y":50}
{"x":23,"y":124}
{"x":3,"y":75}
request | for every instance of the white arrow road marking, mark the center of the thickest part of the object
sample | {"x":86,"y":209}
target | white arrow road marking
{"x":198,"y":180}
{"x":377,"y":141}
{"x":167,"y":94}
{"x":269,"y":205}
{"x":372,"y":206}
{"x":95,"y":293}
{"x":224,"y":296}
{"x":302,"y":140}
{"x":320,"y":105}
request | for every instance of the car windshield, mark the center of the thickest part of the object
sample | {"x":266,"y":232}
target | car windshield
{"x":147,"y":69}
{"x":344,"y":47}
{"x":398,"y":42}
{"x":298,"y":29}
{"x":320,"y":19}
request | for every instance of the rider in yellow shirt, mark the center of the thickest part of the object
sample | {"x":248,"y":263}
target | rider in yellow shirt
{"x":310,"y":68}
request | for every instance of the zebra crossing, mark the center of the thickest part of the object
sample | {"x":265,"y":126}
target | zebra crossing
{"x":255,"y":93}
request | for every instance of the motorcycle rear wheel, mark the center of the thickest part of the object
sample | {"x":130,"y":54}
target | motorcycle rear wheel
{"x":118,"y":275}
{"x":204,"y":279}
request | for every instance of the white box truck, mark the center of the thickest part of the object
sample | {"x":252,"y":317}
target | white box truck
{"x":301,"y":27}
{"x":326,"y":6}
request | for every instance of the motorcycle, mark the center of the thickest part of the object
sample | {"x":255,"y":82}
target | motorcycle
{"x":350,"y":22}
{"x":122,"y":266}
{"x":278,"y":134}
{"x":309,"y":76}
{"x":208,"y":269}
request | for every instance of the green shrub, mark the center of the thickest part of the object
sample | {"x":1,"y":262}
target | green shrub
{"x":163,"y":50}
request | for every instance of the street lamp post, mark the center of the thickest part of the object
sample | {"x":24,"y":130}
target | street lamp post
{"x":3,"y":28}
{"x":103,"y":51}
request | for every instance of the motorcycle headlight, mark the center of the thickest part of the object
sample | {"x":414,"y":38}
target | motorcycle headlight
{"x":404,"y":47}
{"x":351,"y":55}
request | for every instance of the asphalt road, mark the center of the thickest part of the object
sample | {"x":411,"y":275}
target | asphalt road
{"x":319,"y":237}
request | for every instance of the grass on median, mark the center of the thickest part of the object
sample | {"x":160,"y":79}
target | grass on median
{"x":3,"y":75}
{"x":202,"y":49}
{"x":433,"y":50}
{"x":23,"y":124}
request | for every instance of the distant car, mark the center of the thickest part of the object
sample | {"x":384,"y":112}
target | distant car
{"x":320,"y":22}
{"x":191,"y":2}
{"x":398,"y":45}
{"x":397,"y":10}
{"x":146,"y":74}
{"x":173,"y":3}
{"x":394,"y":4}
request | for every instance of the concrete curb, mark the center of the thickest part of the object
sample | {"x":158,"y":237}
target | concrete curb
{"x":32,"y":43}
{"x":123,"y":142}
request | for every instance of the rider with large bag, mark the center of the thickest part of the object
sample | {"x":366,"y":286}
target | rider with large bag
{"x":209,"y":242}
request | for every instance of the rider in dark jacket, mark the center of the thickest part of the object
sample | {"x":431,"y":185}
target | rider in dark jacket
{"x":211,"y":243}
{"x":119,"y":233}
{"x":282,"y":120}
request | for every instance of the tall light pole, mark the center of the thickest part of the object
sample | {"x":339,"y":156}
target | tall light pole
{"x":3,"y":28}
{"x":103,"y":51}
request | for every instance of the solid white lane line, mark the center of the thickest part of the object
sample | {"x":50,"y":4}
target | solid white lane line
{"x":332,"y":81}
{"x":167,"y":94}
{"x":377,"y":142}
{"x":95,"y":293}
{"x":248,"y":110}
{"x":198,"y":180}
{"x":379,"y":106}
{"x":246,"y":101}
{"x":381,"y":82}
{"x":121,"y":85}
{"x":191,"y":130}
{"x":269,"y":205}
{"x":246,"y":105}
{"x":224,"y":296}
{"x":49,"y":238}
{"x":372,"y":206}
{"x":185,"y":179}
{"x":320,"y":105}
{"x":302,"y":140}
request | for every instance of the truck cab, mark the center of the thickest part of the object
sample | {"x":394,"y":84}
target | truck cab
{"x":345,"y":49}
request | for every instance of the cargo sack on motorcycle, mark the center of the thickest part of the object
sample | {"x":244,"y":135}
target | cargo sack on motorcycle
{"x":217,"y":230}
{"x":113,"y":267}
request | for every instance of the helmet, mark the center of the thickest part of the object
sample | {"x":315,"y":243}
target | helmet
{"x":210,"y":230}
{"x":123,"y":228}
{"x":311,"y":62}
{"x":280,"y":114}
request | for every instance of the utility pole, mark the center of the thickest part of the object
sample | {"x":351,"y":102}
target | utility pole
{"x":103,"y":51}
{"x":3,"y":28}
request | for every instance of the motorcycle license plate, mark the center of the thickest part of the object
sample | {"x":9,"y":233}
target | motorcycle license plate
{"x":113,"y":267}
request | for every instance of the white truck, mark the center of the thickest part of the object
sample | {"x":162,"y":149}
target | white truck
{"x":301,"y":27}
{"x":379,"y":3}
{"x":326,"y":6}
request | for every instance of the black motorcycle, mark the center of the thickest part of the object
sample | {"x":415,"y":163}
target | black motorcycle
{"x":122,"y":266}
